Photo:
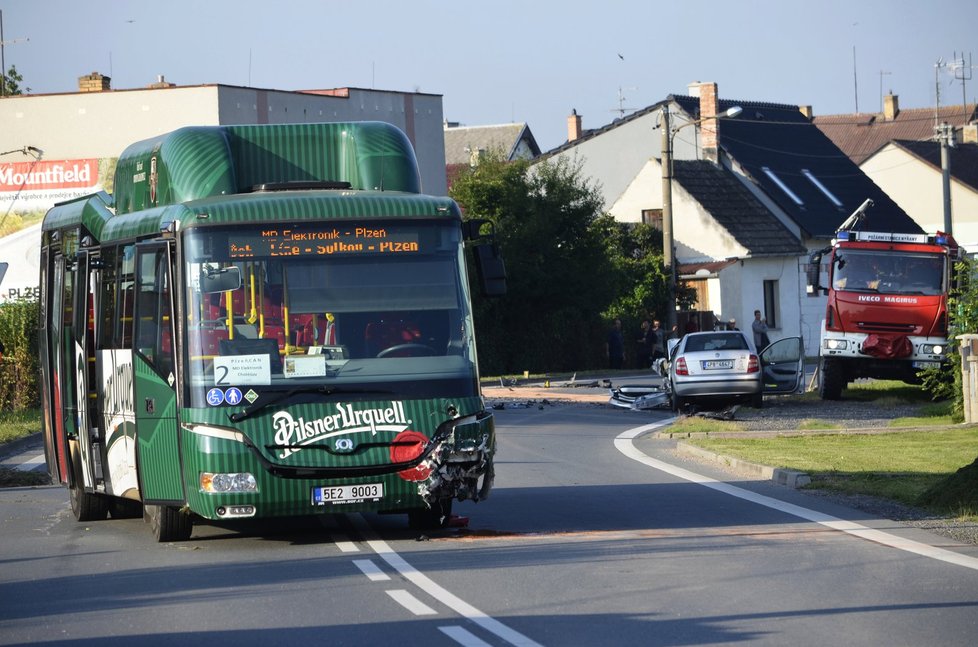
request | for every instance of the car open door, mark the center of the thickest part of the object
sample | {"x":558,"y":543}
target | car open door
{"x":783,"y":365}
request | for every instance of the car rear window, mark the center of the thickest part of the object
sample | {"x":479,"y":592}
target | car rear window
{"x":716,"y":342}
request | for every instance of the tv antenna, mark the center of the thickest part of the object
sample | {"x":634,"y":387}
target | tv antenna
{"x":961,"y":71}
{"x":3,"y":61}
{"x":621,"y":101}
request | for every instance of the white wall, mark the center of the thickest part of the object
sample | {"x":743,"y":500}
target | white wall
{"x":918,"y":188}
{"x":102,"y":124}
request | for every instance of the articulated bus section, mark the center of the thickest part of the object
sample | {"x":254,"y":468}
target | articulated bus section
{"x":237,"y":334}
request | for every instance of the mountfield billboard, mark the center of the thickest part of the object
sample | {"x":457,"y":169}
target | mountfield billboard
{"x":38,"y":185}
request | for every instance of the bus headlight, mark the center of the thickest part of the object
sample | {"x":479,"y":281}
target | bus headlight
{"x":227,"y":482}
{"x":836,"y":344}
{"x":932,"y":349}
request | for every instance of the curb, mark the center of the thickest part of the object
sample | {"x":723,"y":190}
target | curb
{"x":20,"y":445}
{"x":789,"y":478}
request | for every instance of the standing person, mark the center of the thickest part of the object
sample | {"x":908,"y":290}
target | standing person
{"x":644,"y":346}
{"x":759,"y":326}
{"x":657,"y":337}
{"x":615,"y":346}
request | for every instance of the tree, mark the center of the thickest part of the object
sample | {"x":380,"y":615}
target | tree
{"x":560,"y":276}
{"x":11,"y":82}
{"x":944,"y":383}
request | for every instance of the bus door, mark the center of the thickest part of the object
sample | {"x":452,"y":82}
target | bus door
{"x":82,"y":368}
{"x":56,"y":387}
{"x":155,"y":380}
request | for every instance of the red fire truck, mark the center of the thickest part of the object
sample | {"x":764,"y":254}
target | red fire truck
{"x":887,"y":308}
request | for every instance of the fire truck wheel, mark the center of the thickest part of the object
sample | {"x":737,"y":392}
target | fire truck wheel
{"x":831,"y":380}
{"x":168,"y":523}
{"x":84,"y":505}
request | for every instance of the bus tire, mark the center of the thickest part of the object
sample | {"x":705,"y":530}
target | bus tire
{"x":85,"y":506}
{"x":831,"y":379}
{"x":433,"y":518}
{"x":168,"y":523}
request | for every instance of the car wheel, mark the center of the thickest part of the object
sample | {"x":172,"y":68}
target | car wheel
{"x":757,"y":401}
{"x":678,"y":403}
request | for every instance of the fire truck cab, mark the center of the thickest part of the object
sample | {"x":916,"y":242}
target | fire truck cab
{"x":887,"y":310}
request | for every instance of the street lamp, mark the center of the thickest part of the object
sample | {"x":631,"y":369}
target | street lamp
{"x":668,"y":134}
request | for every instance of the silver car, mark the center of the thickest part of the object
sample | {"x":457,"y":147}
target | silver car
{"x":723,"y":366}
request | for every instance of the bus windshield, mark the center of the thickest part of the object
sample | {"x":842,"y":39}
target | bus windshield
{"x":380,"y":306}
{"x":910,"y":273}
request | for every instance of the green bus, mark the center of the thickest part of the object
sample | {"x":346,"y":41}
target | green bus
{"x":264,"y":321}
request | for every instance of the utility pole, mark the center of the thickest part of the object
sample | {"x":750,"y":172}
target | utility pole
{"x":667,"y":242}
{"x":945,"y":132}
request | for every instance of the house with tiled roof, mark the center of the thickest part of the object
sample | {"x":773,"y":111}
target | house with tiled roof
{"x":911,"y":173}
{"x":751,"y":196}
{"x":860,"y":135}
{"x":464,"y":145}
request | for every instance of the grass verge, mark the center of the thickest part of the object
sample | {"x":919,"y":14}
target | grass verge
{"x":899,"y":466}
{"x":10,"y":477}
{"x":18,"y":424}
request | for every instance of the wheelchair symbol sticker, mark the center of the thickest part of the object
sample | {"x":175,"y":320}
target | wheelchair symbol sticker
{"x":215,"y":397}
{"x":233,"y":395}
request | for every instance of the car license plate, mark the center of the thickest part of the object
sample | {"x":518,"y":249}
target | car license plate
{"x":343,"y":494}
{"x":714,"y":364}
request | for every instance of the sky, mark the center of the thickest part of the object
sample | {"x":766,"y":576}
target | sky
{"x":503,"y":61}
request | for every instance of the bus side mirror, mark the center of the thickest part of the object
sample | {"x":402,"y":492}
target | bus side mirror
{"x":220,"y":280}
{"x":490,"y":268}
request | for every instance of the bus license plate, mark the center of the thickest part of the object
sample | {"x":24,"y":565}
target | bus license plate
{"x":717,"y":364}
{"x":342,"y":494}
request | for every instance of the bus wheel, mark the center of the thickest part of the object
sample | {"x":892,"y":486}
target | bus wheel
{"x":831,"y":380}
{"x":432,"y":518}
{"x":84,"y":505}
{"x":168,"y":523}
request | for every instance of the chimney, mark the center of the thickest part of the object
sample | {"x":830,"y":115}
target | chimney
{"x":161,"y":82}
{"x":573,"y":126}
{"x":709,"y":130}
{"x":93,"y":82}
{"x":807,"y":111}
{"x":891,"y":106}
{"x":969,"y":134}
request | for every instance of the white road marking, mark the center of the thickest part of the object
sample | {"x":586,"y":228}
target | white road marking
{"x":371,"y":570}
{"x":463,"y":637}
{"x":624,"y":444}
{"x":347,"y":547}
{"x":411,"y":603}
{"x":436,"y":591}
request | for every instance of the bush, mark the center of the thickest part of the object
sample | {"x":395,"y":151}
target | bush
{"x":20,"y":366}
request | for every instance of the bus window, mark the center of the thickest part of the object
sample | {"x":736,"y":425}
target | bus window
{"x":152,"y":312}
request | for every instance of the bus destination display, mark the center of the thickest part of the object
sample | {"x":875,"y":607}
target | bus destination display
{"x":322,"y":242}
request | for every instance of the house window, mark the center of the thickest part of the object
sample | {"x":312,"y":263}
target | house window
{"x":781,"y":185}
{"x":821,"y":187}
{"x":652,"y":217}
{"x":772,"y":305}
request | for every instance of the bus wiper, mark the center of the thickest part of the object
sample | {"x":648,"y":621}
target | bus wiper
{"x":238,"y":416}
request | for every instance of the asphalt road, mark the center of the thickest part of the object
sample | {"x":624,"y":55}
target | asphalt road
{"x":595,"y":535}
